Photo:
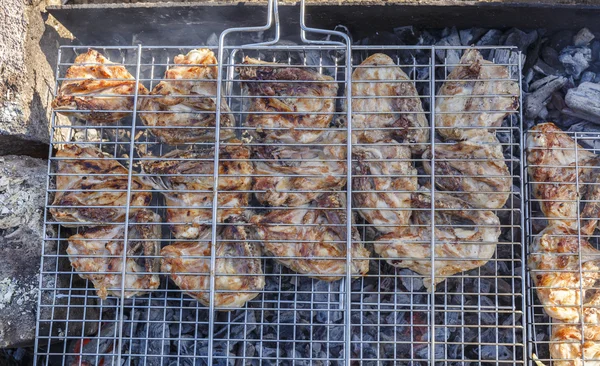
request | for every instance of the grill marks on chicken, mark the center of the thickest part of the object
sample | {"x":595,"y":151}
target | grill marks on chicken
{"x":238,"y":271}
{"x":465,"y":238}
{"x":186,"y":178}
{"x":288,"y":101}
{"x":476,"y":97}
{"x":311,"y":240}
{"x":97,"y":254}
{"x":187,"y":98}
{"x":96,"y":84}
{"x":386,"y":104}
{"x":92,"y":188}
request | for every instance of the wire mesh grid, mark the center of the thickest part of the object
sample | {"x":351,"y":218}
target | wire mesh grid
{"x":562,"y":191}
{"x":278,"y":277}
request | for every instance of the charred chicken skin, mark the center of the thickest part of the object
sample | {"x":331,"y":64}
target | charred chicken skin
{"x":238,"y":271}
{"x":104,"y":88}
{"x":92,"y":188}
{"x":97,"y":254}
{"x":187,"y":98}
{"x":288,"y":102}
{"x":186,"y":178}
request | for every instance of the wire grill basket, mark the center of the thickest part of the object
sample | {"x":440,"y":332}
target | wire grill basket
{"x":350,"y":301}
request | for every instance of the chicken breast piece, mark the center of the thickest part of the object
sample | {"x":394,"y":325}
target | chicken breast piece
{"x":465,"y":239}
{"x":383,"y":181}
{"x":472,"y":170}
{"x":386,"y":104}
{"x":311,"y":240}
{"x":94,"y":83}
{"x":187,"y":98}
{"x":186,"y":181}
{"x":565,"y":178}
{"x":238,"y":270}
{"x":295,"y":175}
{"x":564,"y":271}
{"x":92,"y":188}
{"x":567,"y":348}
{"x":97,"y":254}
{"x":476,"y":97}
{"x":288,"y":101}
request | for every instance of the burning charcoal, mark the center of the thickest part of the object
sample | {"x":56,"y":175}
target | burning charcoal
{"x":491,"y":38}
{"x":451,"y":56}
{"x":406,"y":35}
{"x":520,"y":39}
{"x":495,"y":353}
{"x":535,"y":102}
{"x":426,"y":39}
{"x":585,"y":101}
{"x":575,"y":60}
{"x":543,"y":68}
{"x":561,"y":39}
{"x":410,"y":280}
{"x":583,"y":37}
{"x":550,"y":57}
{"x":587,"y":76}
{"x":587,"y":127}
{"x":466,"y":36}
{"x":596,"y":50}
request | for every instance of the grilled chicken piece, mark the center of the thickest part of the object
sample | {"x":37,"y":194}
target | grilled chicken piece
{"x":391,"y":106}
{"x":465,"y":238}
{"x":476,"y":97}
{"x":563,"y":175}
{"x":473,"y":170}
{"x":284,"y":98}
{"x":555,"y":258}
{"x":295,"y":175}
{"x":187,"y":98}
{"x":96,"y":87}
{"x":238,"y":270}
{"x":97,"y":254}
{"x":383,"y":181}
{"x":311,"y":240}
{"x":567,"y":347}
{"x":86,"y":177}
{"x":187,"y":178}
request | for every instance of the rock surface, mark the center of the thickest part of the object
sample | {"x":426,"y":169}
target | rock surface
{"x":584,"y":101}
{"x":22,"y":195}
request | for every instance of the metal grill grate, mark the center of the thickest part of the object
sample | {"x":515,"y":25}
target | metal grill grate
{"x":386,"y":316}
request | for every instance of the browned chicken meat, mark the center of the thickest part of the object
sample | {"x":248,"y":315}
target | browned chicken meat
{"x":238,"y":271}
{"x":473,"y":170}
{"x":386,"y":104}
{"x":565,"y":271}
{"x":465,"y":238}
{"x":288,"y":101}
{"x":92,"y":188}
{"x":186,"y":178}
{"x":187,"y":98}
{"x":567,"y":347}
{"x":295,"y":175}
{"x":97,"y":254}
{"x":476,"y":97}
{"x":564,"y":177}
{"x":311,"y":240}
{"x":104,"y":88}
{"x":383,"y":181}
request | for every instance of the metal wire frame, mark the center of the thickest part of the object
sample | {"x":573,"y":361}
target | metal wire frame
{"x":384,"y":317}
{"x":540,"y":324}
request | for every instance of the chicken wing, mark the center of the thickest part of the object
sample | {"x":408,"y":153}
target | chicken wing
{"x":383,"y":182}
{"x":386,"y":104}
{"x":186,"y":181}
{"x":92,"y":188}
{"x":94,"y":83}
{"x":311,"y":240}
{"x":295,"y":175}
{"x":563,"y":175}
{"x":238,"y":270}
{"x":473,"y":170}
{"x":567,"y":347}
{"x":187,"y":98}
{"x":465,"y":238}
{"x":97,"y":254}
{"x":476,"y":97}
{"x":288,"y":101}
{"x":564,"y":270}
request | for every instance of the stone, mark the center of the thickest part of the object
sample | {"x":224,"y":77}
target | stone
{"x":22,"y":195}
{"x":575,"y":60}
{"x":536,"y":101}
{"x":585,"y":101}
{"x":583,"y":37}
